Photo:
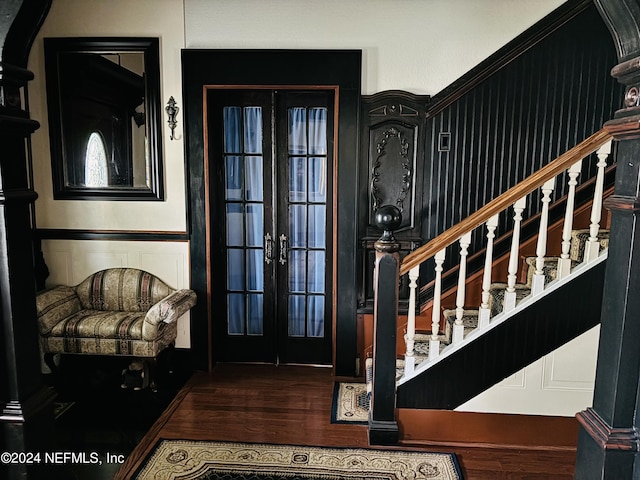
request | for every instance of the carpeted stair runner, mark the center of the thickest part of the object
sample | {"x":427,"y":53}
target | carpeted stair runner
{"x":496,"y":299}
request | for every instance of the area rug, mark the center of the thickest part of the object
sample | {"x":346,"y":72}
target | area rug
{"x":350,"y":403}
{"x":200,"y":460}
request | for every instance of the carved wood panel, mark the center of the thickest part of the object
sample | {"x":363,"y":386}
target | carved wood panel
{"x":393,"y":141}
{"x":392,"y":157}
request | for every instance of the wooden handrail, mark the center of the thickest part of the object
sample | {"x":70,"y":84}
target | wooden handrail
{"x":504,"y":201}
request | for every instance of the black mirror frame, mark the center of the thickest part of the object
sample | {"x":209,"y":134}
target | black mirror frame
{"x":150,"y":46}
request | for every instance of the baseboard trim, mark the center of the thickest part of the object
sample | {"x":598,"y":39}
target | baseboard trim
{"x":605,"y":436}
{"x":383,"y":432}
{"x":487,"y":430}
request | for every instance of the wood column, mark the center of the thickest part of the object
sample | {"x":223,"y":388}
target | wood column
{"x":26,"y":412}
{"x":383,"y":427}
{"x":608,"y":442}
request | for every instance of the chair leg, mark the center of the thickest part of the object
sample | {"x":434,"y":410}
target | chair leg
{"x":50,"y":362}
{"x":153,"y":368}
{"x":169,"y":357}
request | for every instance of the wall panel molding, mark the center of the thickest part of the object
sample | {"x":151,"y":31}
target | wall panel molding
{"x":516,"y":381}
{"x":573,"y":367}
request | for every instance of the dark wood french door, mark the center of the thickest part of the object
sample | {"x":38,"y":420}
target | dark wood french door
{"x":271,"y":157}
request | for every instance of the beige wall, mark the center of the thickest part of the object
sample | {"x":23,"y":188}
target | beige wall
{"x":416,"y":45}
{"x":70,"y":262}
{"x":95,"y":18}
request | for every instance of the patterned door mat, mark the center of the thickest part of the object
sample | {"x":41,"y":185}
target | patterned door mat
{"x":200,"y":460}
{"x":350,"y":403}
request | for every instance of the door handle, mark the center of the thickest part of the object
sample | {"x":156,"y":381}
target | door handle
{"x":283,"y":249}
{"x":268,"y":249}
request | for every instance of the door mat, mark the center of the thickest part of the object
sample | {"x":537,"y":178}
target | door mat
{"x":350,"y":403}
{"x":202,"y":460}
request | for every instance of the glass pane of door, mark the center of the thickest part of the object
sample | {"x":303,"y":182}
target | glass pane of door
{"x":307,"y":167}
{"x":244,"y":219}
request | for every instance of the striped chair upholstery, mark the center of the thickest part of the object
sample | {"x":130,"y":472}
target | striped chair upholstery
{"x":117,"y":311}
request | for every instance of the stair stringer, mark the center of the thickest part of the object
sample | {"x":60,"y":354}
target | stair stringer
{"x":538,"y":325}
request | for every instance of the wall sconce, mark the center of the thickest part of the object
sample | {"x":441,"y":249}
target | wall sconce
{"x":172,"y":110}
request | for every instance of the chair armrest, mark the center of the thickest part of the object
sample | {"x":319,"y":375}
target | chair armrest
{"x":54,"y":305}
{"x":167,"y":310}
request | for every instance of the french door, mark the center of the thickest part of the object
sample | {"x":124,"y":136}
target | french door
{"x":271,"y":157}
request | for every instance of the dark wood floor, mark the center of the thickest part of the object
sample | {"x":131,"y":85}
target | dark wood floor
{"x":292,"y":405}
{"x":101,"y":417}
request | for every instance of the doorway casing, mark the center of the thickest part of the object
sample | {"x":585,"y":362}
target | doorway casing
{"x":339,"y":70}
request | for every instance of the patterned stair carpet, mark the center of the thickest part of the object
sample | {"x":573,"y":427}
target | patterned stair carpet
{"x":172,"y":459}
{"x":496,"y":299}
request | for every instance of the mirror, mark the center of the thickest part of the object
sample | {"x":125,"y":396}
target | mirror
{"x":103,"y":97}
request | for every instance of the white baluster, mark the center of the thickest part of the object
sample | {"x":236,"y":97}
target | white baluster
{"x":409,"y":357}
{"x":458,"y":327}
{"x":434,"y":342}
{"x":484,"y":313}
{"x":592,"y":246}
{"x":537,"y":284}
{"x":510,"y":294}
{"x":564,"y":262}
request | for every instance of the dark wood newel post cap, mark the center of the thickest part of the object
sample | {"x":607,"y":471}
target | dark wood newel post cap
{"x":388,"y":218}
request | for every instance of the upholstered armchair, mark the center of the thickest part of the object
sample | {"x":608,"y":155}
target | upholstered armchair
{"x":117,"y":311}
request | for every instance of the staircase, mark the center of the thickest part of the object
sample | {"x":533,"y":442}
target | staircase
{"x":533,"y":313}
{"x":497,"y":291}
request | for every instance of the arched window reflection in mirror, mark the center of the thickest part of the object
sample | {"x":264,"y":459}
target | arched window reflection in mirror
{"x":110,"y":86}
{"x":95,"y":162}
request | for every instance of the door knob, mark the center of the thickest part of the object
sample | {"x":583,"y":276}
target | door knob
{"x":268,"y":249}
{"x":283,"y":249}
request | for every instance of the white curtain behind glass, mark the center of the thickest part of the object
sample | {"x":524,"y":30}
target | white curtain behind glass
{"x":306,"y":262}
{"x":307,"y":219}
{"x":244,"y":219}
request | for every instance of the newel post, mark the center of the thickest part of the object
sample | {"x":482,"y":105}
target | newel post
{"x":609,"y":439}
{"x":383,"y":428}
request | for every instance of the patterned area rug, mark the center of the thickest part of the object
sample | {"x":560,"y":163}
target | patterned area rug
{"x":181,"y":459}
{"x":350,"y":403}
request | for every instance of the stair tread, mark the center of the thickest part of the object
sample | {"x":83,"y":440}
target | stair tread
{"x":579,"y":239}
